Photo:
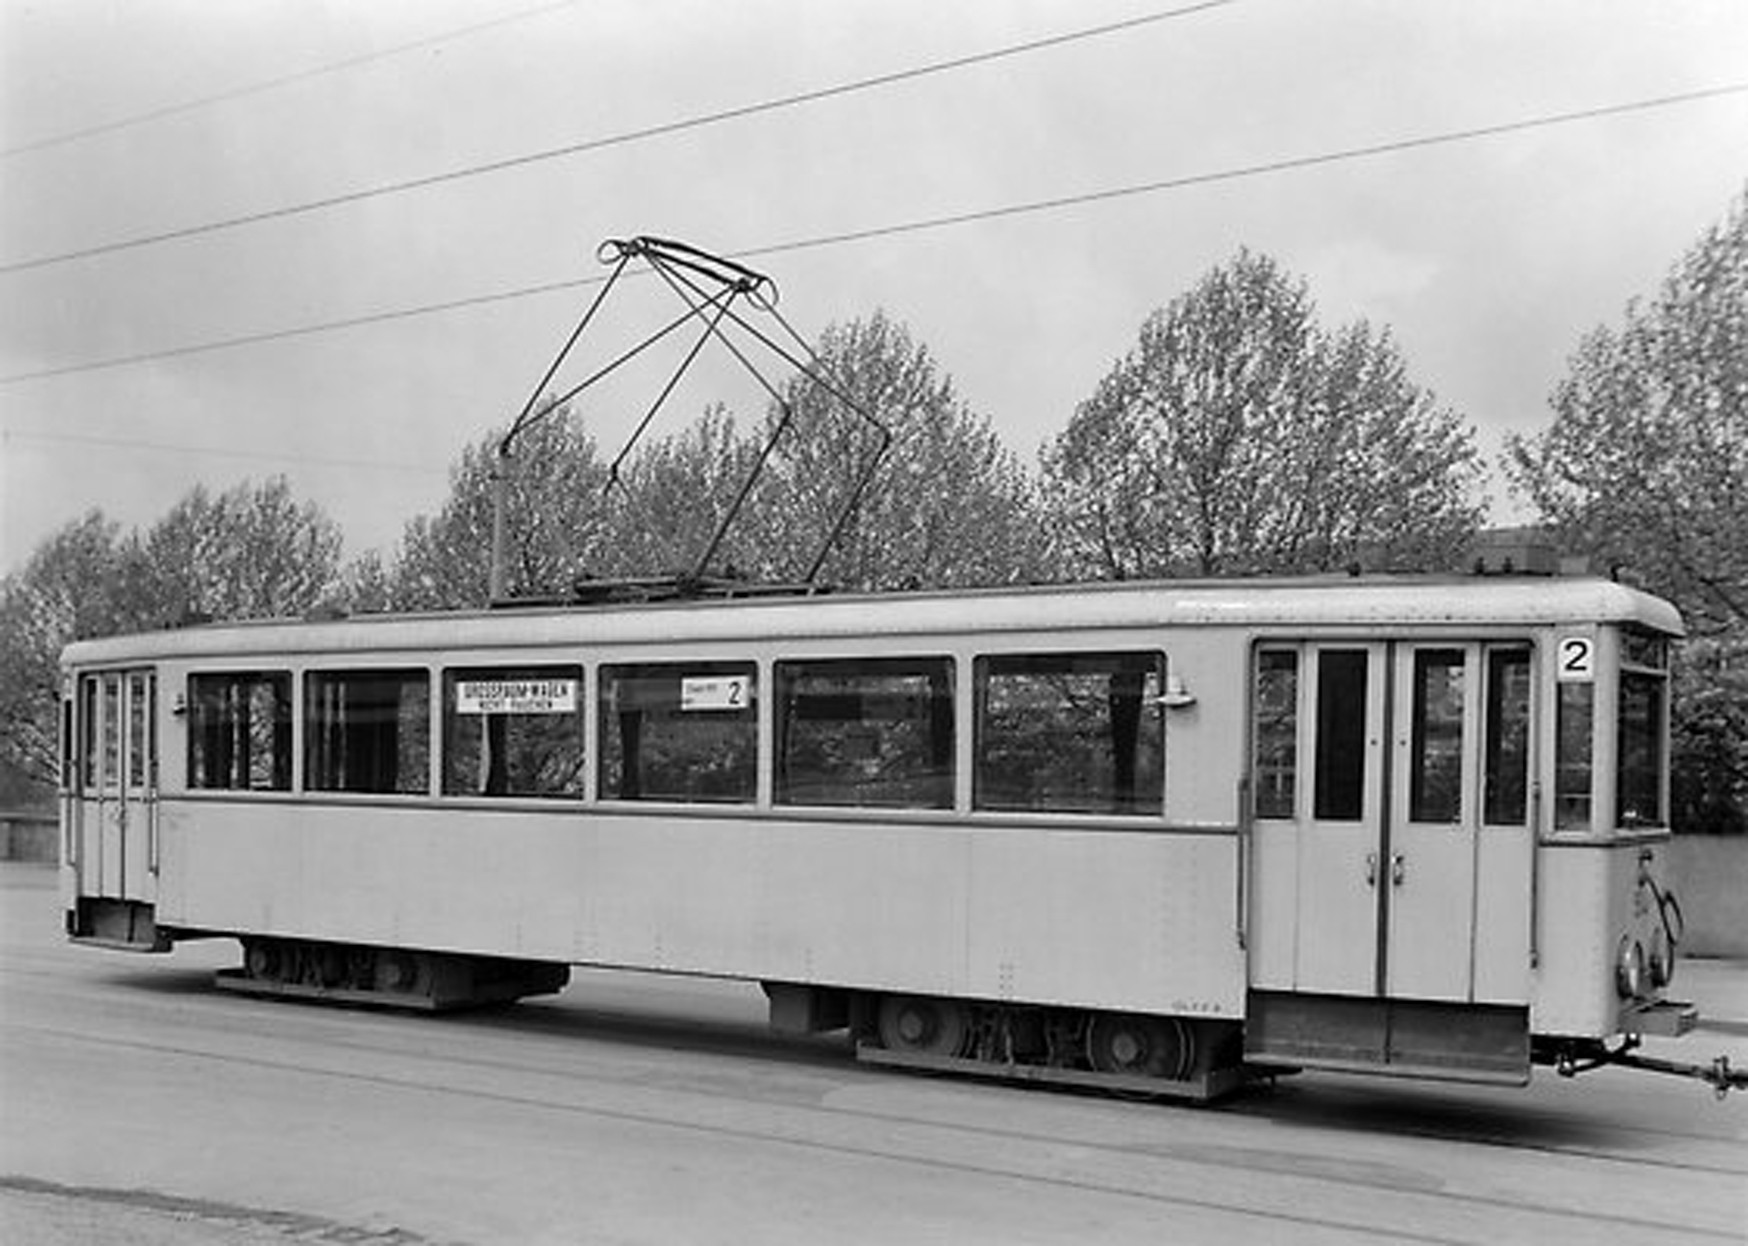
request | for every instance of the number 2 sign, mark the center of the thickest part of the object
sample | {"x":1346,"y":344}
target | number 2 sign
{"x":1576,"y":661}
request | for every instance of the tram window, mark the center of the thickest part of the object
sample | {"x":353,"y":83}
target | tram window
{"x":513,"y":731}
{"x":1277,"y":733}
{"x":1070,"y":733}
{"x":69,"y":774}
{"x":239,"y":731}
{"x":1342,"y":703}
{"x":1573,"y":714}
{"x":1639,"y":776}
{"x":111,"y":731}
{"x":684,"y":731}
{"x":1435,"y":778}
{"x":89,"y":738}
{"x":1506,"y":782}
{"x":368,"y":731}
{"x":867,"y":732}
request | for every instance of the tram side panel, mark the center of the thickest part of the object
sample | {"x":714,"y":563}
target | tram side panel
{"x":1106,"y":919}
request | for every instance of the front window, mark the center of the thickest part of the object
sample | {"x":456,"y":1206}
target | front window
{"x":1572,"y":752}
{"x":1640,"y":723}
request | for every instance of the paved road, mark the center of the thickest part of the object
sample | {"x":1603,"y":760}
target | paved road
{"x":139,"y":1104}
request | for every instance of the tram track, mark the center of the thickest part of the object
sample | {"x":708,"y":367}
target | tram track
{"x":657,"y":1099}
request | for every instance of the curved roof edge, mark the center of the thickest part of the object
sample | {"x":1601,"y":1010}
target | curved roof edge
{"x":1254,"y":603}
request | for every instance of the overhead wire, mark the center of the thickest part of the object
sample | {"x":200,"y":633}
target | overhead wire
{"x":282,"y":80}
{"x":925,"y":224}
{"x":622,"y":138}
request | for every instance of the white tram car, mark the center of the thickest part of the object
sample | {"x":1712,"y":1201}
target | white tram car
{"x":1143,"y":835}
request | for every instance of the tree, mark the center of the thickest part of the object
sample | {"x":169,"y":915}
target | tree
{"x":1645,"y":469}
{"x":1239,"y":436}
{"x":65,"y":592}
{"x":948,"y":504}
{"x":251,"y":552}
{"x":1646,"y":464}
{"x":554,"y":517}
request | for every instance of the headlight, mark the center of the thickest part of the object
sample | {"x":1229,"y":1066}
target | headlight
{"x":1629,"y":969}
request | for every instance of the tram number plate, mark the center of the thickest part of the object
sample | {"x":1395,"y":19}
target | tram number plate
{"x":1577,"y":660}
{"x":714,"y":692}
{"x":516,"y":696}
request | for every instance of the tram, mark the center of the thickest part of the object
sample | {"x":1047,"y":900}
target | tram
{"x":1156,"y":836}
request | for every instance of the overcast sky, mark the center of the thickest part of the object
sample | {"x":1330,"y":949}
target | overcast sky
{"x":1488,"y":257}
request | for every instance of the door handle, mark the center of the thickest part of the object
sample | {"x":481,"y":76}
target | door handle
{"x":1371,"y":869}
{"x":1398,"y":869}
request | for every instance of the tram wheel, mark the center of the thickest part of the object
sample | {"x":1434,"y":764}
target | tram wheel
{"x":1138,"y":1046}
{"x":397,"y":972}
{"x":922,"y":1024}
{"x":262,"y":960}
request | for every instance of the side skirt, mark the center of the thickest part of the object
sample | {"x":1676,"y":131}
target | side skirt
{"x":1410,"y":1038}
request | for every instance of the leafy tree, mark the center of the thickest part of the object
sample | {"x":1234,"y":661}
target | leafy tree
{"x":554,"y":518}
{"x":66,"y":592}
{"x":670,"y":498}
{"x":1645,"y":468}
{"x":948,"y":503}
{"x":251,"y":552}
{"x":1240,"y":436}
{"x":1646,"y":464}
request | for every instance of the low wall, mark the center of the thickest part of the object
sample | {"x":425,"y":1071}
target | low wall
{"x":29,"y":835}
{"x":1709,"y":875}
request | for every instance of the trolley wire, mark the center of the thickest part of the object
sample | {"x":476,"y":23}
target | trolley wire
{"x":283,"y":80}
{"x":623,"y":138}
{"x":921,"y":225}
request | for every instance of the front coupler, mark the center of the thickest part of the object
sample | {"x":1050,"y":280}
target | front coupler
{"x":1569,"y":1062}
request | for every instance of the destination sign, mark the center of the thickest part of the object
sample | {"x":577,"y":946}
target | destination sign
{"x":516,"y":696}
{"x":715,"y":692}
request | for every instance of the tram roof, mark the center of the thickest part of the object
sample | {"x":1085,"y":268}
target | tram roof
{"x":1322,"y":603}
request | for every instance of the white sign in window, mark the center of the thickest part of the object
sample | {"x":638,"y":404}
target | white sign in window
{"x":715,"y":692}
{"x":516,"y":696}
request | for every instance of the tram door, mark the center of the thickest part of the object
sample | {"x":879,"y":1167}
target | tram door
{"x":1379,"y":774}
{"x":115,"y":830}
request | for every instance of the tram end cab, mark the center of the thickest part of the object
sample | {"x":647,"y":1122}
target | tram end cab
{"x":1609,"y":923}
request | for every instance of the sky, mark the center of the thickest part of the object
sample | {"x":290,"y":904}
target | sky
{"x":486,"y":148}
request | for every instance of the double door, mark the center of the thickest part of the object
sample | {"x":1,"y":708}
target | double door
{"x":113,"y":815}
{"x":1392,"y":810}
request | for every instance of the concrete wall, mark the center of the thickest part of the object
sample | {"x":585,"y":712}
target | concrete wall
{"x":1709,"y":875}
{"x":28,"y":835}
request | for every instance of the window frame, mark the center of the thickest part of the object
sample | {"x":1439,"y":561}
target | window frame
{"x":944,"y":775}
{"x":316,"y":740}
{"x":605,"y":685}
{"x":446,"y":683}
{"x":1146,"y":798}
{"x":256,"y":676}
